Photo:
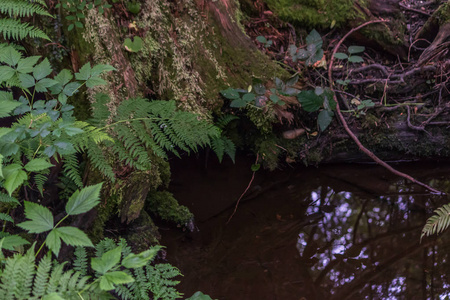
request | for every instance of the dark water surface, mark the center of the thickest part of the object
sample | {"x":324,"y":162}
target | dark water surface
{"x":334,"y":232}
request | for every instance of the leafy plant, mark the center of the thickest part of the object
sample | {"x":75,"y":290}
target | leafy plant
{"x":45,"y":129}
{"x":267,"y":43}
{"x":76,"y":9}
{"x":133,"y":46}
{"x":438,"y":222}
{"x":320,"y":99}
{"x":12,"y":27}
{"x":313,"y":52}
{"x":351,"y":57}
{"x":221,"y":144}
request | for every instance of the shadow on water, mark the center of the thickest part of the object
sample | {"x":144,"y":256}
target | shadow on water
{"x":337,"y":232}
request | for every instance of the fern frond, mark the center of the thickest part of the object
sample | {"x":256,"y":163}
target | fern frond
{"x":224,"y":120}
{"x":12,"y":28}
{"x":53,"y":281}
{"x":437,"y":223}
{"x":5,"y":217}
{"x":97,"y":158}
{"x":104,"y":246}
{"x":5,"y":198}
{"x":230,"y":148}
{"x":21,"y":8}
{"x":42,"y":275}
{"x":40,"y":179}
{"x":80,"y":264}
{"x":24,"y":273}
{"x":71,"y":169}
{"x":160,"y":279}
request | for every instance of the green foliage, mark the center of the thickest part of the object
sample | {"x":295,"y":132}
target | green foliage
{"x":140,"y":126}
{"x":264,"y":41}
{"x":221,"y":144}
{"x":12,"y":28}
{"x":438,"y":222}
{"x":351,"y":57}
{"x":319,"y":99}
{"x":199,"y":296}
{"x":76,"y":10}
{"x":163,"y":204}
{"x":134,"y":45}
{"x":45,"y":129}
{"x":313,"y":52}
{"x":41,"y":219}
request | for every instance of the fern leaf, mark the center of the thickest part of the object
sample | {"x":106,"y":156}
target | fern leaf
{"x":5,"y":217}
{"x":40,"y":179}
{"x":5,"y":198}
{"x":21,"y":8}
{"x":224,"y":120}
{"x":53,"y":281}
{"x":80,"y":263}
{"x":437,"y":223}
{"x":71,"y":169}
{"x":42,"y":275}
{"x":8,"y":278}
{"x":14,"y":29}
{"x":218,"y":146}
{"x":25,"y":273}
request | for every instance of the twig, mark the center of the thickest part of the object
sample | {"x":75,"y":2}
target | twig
{"x":347,"y":129}
{"x":408,"y":121}
{"x":242,"y":195}
{"x":415,"y":10}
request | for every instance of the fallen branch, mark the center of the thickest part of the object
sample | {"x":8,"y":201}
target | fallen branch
{"x":242,"y":195}
{"x":347,"y":129}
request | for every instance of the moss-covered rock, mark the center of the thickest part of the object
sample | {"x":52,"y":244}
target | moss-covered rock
{"x":164,"y":205}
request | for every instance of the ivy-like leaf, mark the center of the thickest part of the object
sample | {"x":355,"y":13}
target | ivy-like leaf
{"x":6,"y":73}
{"x":310,"y":101}
{"x":84,"y":200}
{"x":71,"y":88}
{"x":324,"y":119}
{"x":84,"y":73}
{"x":41,"y":219}
{"x":10,"y":56}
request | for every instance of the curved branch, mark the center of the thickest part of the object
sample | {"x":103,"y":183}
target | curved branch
{"x":347,"y":129}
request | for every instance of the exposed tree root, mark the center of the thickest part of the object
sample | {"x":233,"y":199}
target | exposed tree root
{"x":347,"y":129}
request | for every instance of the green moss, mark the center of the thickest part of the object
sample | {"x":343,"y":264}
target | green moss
{"x":314,"y":13}
{"x":163,"y":204}
{"x":142,"y":233}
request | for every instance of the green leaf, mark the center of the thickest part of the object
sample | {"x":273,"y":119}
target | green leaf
{"x":340,"y":55}
{"x":230,"y":94}
{"x":7,"y":106}
{"x":310,"y":101}
{"x":95,"y":81}
{"x":324,"y":119}
{"x":26,"y":65}
{"x":26,"y":80}
{"x":355,"y":59}
{"x":133,"y":46}
{"x":249,"y":97}
{"x":64,"y":77}
{"x":71,"y":26}
{"x":99,"y":69}
{"x":238,"y":103}
{"x":274,"y":98}
{"x":105,"y":284}
{"x":133,"y":261}
{"x":356,"y":49}
{"x":6,"y":96}
{"x":53,"y":242}
{"x":13,"y":241}
{"x":43,"y":84}
{"x":10,"y":56}
{"x":14,"y":177}
{"x":118,"y":277}
{"x":84,"y":73}
{"x":41,"y":219}
{"x":84,"y":200}
{"x":38,"y":164}
{"x":71,"y":88}
{"x":73,"y":236}
{"x":314,"y":38}
{"x":255,"y":167}
{"x":6,"y":73}
{"x":107,"y":261}
{"x":261,"y":39}
{"x":42,"y":70}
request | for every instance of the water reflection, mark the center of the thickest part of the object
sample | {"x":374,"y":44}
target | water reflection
{"x":343,"y":233}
